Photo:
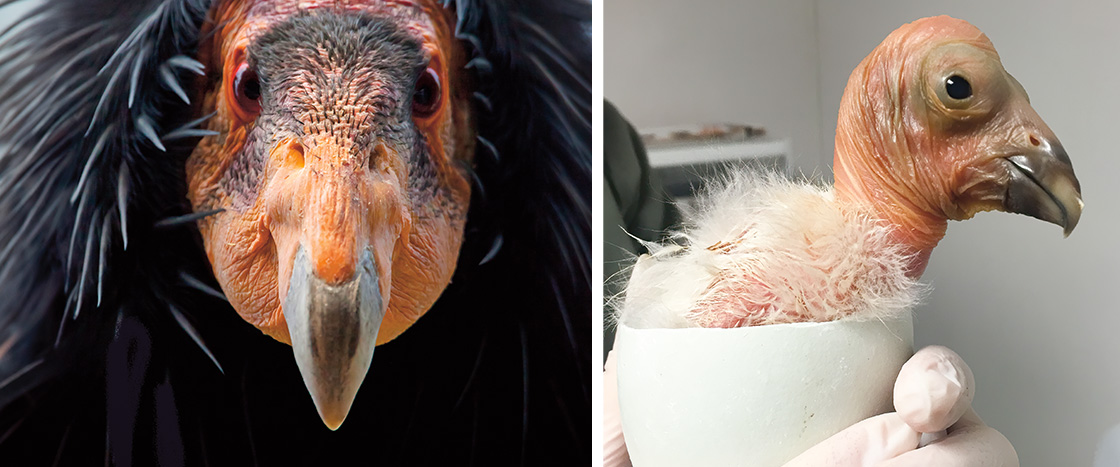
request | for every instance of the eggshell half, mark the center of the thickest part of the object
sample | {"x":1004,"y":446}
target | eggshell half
{"x":755,"y":396}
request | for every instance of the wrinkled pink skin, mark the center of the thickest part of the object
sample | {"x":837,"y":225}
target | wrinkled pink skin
{"x":913,"y":156}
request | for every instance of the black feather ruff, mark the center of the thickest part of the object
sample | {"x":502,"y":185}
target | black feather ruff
{"x":115,"y":345}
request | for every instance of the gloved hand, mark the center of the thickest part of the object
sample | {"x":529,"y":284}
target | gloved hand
{"x":932,"y":395}
{"x":614,"y":446}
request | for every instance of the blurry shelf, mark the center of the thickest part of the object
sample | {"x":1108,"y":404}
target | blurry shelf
{"x":685,"y":168}
{"x":709,"y":152}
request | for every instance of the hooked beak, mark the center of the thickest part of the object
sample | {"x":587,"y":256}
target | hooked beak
{"x":333,"y":331}
{"x":1042,"y":185}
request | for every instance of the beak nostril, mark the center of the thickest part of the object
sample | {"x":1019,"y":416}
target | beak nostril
{"x":1035,"y":141}
{"x":295,"y":154}
{"x":378,"y":154}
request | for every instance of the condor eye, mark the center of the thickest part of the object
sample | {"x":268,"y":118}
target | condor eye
{"x":247,"y":90}
{"x":426,"y":97}
{"x":957,"y":87}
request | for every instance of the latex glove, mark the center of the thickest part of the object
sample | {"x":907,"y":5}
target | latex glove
{"x":932,"y":395}
{"x":614,"y":446}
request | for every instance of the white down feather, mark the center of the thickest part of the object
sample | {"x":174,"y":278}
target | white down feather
{"x":759,"y":249}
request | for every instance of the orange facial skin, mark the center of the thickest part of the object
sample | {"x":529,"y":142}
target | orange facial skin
{"x":918,"y":157}
{"x":331,"y":187}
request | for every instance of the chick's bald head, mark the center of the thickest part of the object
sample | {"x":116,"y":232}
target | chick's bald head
{"x":933,"y":128}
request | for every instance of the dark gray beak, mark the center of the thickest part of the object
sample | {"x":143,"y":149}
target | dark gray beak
{"x":1043,"y":186}
{"x":333,"y":330}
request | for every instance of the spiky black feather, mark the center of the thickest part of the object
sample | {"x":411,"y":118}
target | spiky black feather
{"x":107,"y":354}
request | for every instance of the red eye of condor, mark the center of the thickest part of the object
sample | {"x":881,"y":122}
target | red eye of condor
{"x":426,"y":97}
{"x":247,"y":90}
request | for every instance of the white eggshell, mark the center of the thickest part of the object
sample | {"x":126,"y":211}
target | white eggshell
{"x":755,"y":396}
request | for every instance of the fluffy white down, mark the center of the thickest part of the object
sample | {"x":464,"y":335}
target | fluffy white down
{"x":759,"y":249}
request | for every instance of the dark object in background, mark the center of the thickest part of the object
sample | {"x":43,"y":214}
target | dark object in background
{"x":634,"y":204}
{"x":496,"y":373}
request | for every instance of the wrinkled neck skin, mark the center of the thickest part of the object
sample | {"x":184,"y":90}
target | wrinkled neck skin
{"x":874,"y":167}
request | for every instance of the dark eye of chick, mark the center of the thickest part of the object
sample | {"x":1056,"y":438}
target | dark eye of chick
{"x":958,"y":87}
{"x":426,"y":97}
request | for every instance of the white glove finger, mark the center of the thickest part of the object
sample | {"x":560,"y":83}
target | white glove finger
{"x":614,"y":446}
{"x":934,"y":389}
{"x":968,"y":444}
{"x":866,"y":443}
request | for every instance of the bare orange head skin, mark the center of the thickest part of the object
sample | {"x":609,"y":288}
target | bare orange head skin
{"x":932,"y":128}
{"x":340,"y":136}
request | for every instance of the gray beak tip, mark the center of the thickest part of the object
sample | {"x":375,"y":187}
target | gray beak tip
{"x":333,"y":331}
{"x":1043,"y":186}
{"x":1073,"y":217}
{"x":332,"y":401}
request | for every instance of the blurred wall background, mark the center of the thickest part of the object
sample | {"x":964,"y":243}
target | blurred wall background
{"x":1035,"y":316}
{"x":671,"y":62}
